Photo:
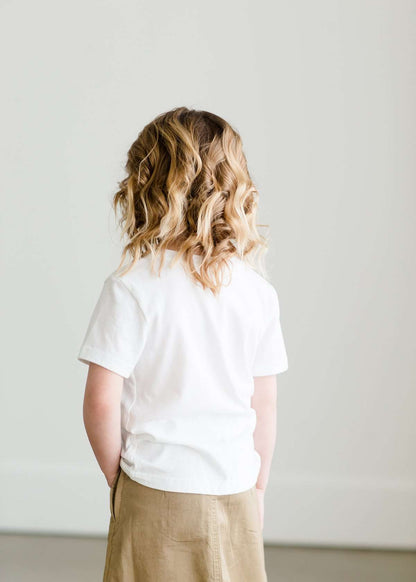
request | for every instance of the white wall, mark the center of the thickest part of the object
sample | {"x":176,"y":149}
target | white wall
{"x":323,"y":94}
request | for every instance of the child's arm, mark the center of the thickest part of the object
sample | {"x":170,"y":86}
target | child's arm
{"x":264,"y":403}
{"x":101,"y":413}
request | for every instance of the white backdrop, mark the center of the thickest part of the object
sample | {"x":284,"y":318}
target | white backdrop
{"x":323,"y":95}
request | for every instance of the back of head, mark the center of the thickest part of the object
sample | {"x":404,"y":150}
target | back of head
{"x":188,"y":188}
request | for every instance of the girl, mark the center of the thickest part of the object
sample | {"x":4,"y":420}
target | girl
{"x":183,"y":349}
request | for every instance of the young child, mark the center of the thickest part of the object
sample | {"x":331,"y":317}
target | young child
{"x":183,"y":349}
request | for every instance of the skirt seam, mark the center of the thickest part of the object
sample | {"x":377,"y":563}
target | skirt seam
{"x":215,"y":542}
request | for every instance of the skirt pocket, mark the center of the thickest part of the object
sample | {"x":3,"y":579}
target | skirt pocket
{"x":115,"y":492}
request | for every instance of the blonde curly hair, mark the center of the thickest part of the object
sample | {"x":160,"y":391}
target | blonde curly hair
{"x":188,"y":187}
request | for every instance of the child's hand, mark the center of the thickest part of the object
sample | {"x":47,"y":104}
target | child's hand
{"x":111,"y":479}
{"x":260,"y":500}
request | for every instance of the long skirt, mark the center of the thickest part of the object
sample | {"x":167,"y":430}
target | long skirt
{"x":166,"y":536}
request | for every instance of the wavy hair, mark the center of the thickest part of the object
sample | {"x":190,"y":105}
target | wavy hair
{"x":188,"y":188}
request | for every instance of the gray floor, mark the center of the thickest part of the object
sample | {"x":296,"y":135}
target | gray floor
{"x":25,"y":558}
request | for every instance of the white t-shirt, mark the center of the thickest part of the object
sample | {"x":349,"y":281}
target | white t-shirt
{"x":188,"y":360}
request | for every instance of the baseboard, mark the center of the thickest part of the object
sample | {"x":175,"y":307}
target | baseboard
{"x":323,"y":510}
{"x":307,"y":510}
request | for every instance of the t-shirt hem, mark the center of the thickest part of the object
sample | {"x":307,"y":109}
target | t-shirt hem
{"x":178,"y":485}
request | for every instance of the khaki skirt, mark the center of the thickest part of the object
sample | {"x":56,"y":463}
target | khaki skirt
{"x":166,"y":536}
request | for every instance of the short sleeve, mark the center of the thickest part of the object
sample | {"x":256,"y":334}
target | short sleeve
{"x":271,"y":356}
{"x":116,"y":332}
